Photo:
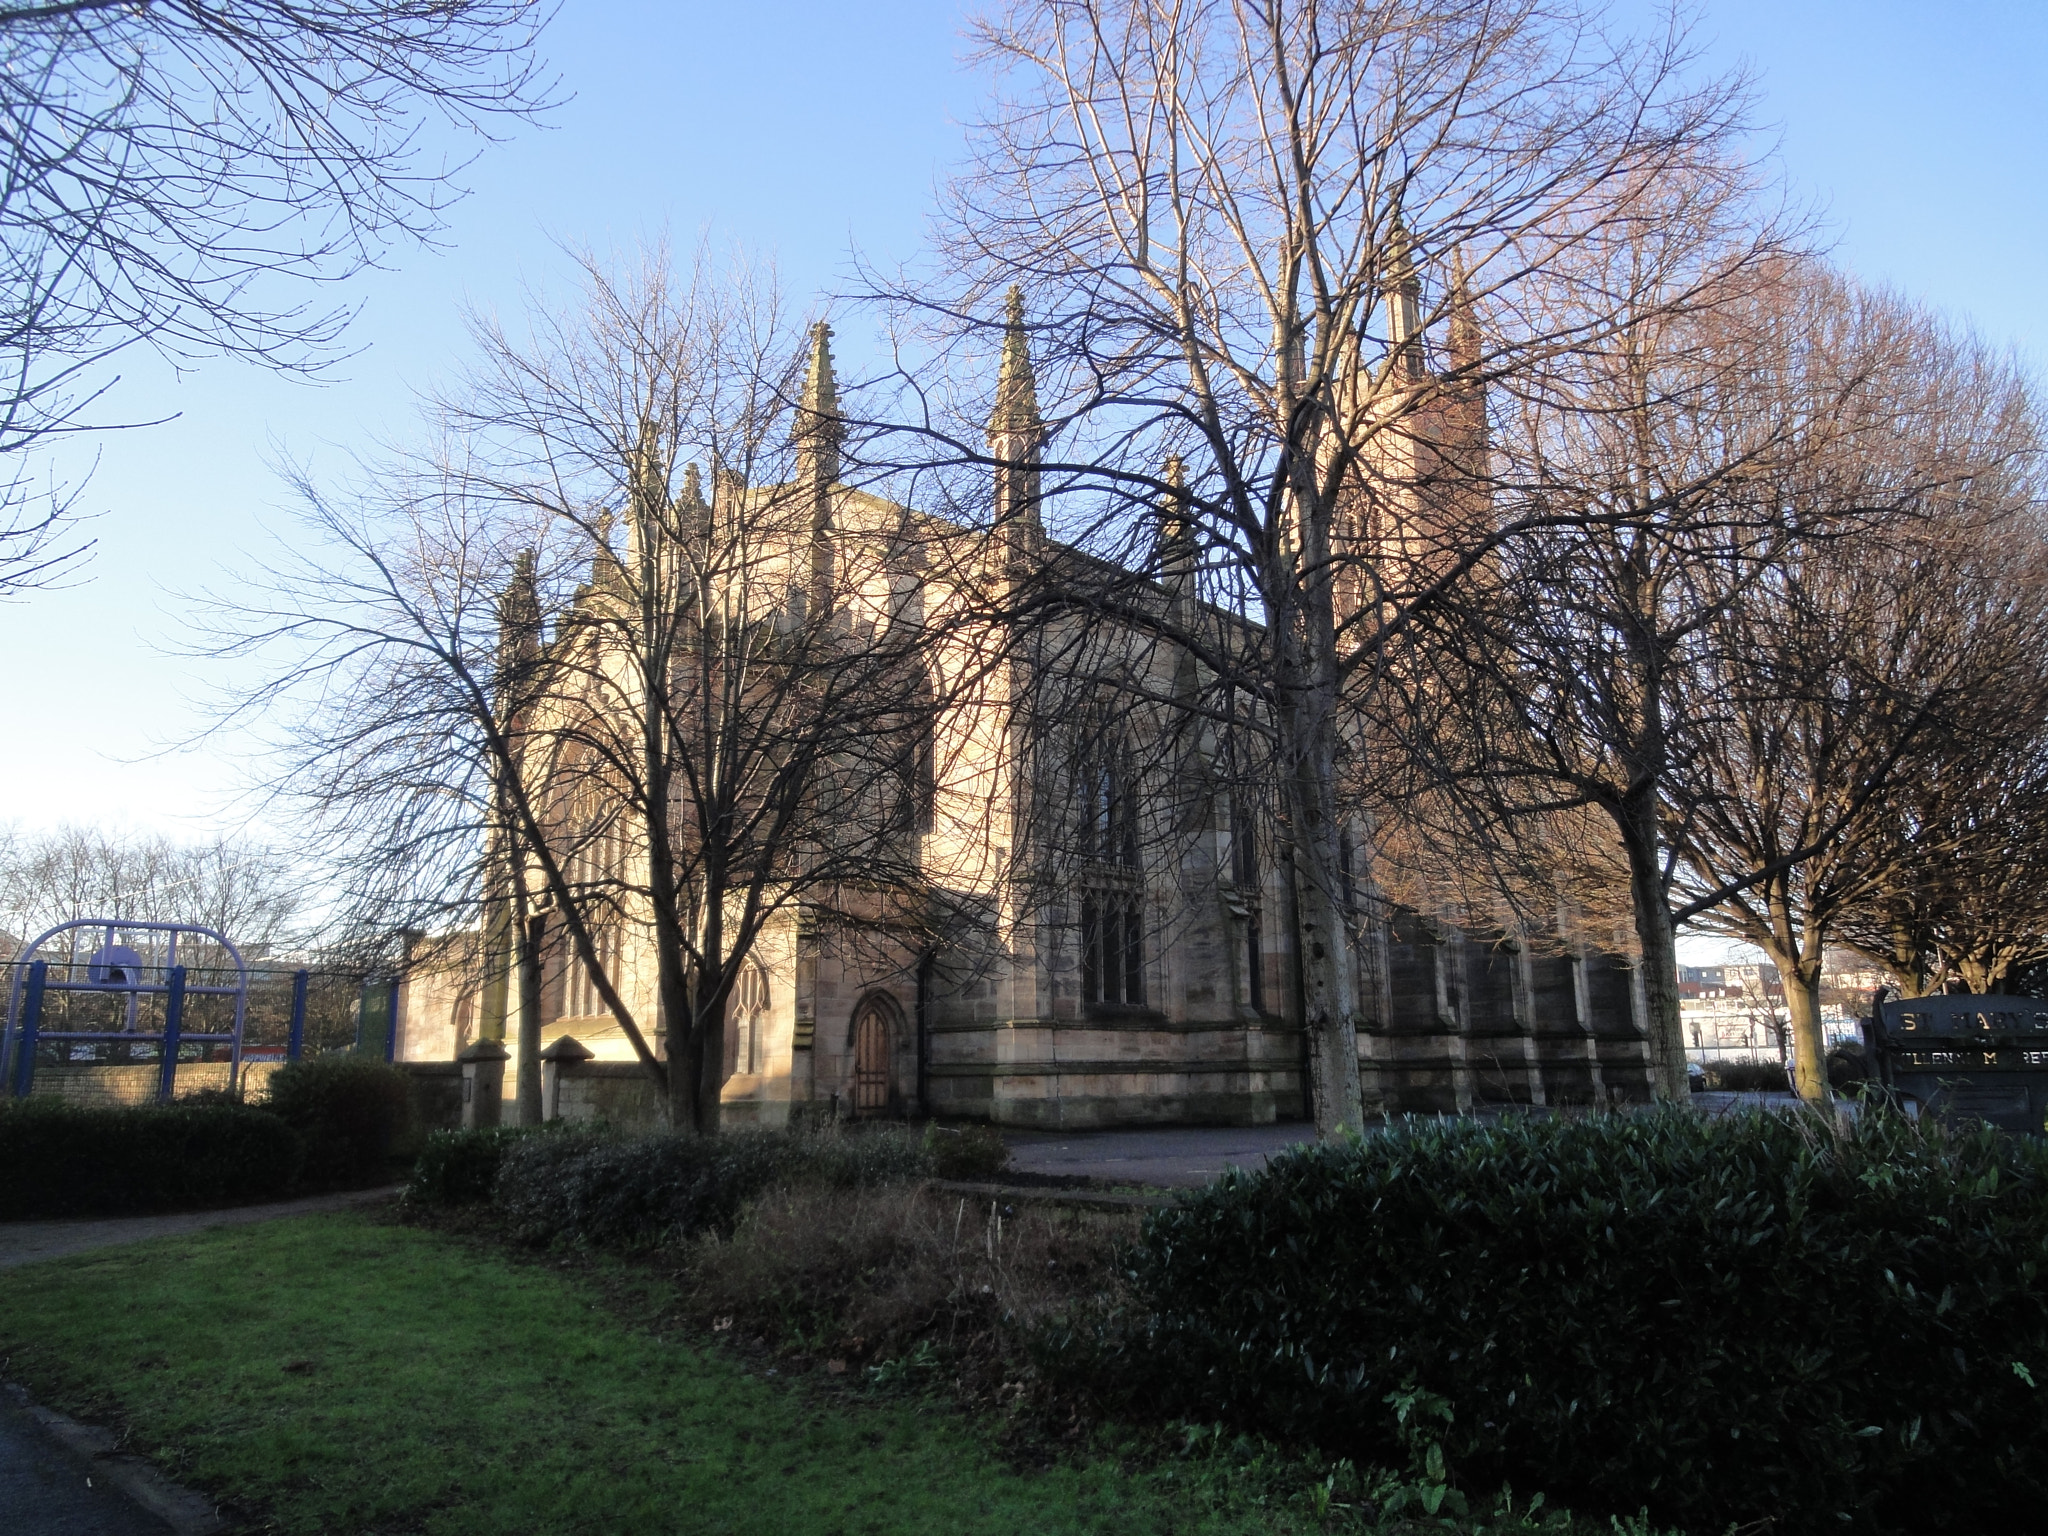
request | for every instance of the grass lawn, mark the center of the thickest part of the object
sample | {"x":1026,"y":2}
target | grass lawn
{"x":337,"y":1374}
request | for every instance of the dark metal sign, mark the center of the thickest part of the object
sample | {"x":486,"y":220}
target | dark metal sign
{"x":1975,"y":1057}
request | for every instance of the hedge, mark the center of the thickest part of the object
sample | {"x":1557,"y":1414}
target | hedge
{"x":1725,"y":1321}
{"x":59,"y":1159}
{"x":458,"y":1168}
{"x":355,"y":1115}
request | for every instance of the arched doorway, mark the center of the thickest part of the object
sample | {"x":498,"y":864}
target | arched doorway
{"x":873,"y":1040}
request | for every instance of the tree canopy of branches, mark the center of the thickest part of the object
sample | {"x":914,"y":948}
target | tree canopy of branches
{"x":243,"y":890}
{"x":1739,"y":672}
{"x":177,"y":172}
{"x":1701,"y":449}
{"x":1239,"y":224}
{"x":1952,"y":893}
{"x":1834,"y":689}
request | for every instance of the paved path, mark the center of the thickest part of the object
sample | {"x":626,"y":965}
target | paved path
{"x":27,"y":1242}
{"x":47,"y":1489}
{"x":1169,"y":1157}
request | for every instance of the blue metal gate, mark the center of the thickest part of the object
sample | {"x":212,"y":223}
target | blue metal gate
{"x":122,"y":969}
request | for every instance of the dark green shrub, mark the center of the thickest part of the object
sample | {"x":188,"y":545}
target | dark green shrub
{"x":460,"y":1167}
{"x":59,"y":1159}
{"x":1749,"y":1077}
{"x":969,"y":1152}
{"x":602,"y":1190}
{"x":356,"y":1115}
{"x":630,"y":1192}
{"x":1725,"y":1321}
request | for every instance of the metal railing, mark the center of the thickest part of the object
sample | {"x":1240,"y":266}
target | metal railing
{"x":287,"y":1013}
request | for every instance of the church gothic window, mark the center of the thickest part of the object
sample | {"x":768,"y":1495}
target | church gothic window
{"x":1244,"y":872}
{"x":916,"y":775}
{"x":746,"y":1018}
{"x":591,"y":865}
{"x":579,"y":997}
{"x":1106,"y":805}
{"x":1106,"y":841}
{"x":1112,"y":948}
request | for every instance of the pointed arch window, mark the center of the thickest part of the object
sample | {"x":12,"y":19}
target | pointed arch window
{"x":1105,"y":816}
{"x":593,"y":866}
{"x":1112,"y":948}
{"x":1106,"y":803}
{"x":1246,"y":876}
{"x":916,"y":769}
{"x":746,"y":1020}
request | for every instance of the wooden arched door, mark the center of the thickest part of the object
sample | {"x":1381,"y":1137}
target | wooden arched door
{"x":871,"y":1059}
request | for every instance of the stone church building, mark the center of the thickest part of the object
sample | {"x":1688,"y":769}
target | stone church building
{"x":1144,"y":975}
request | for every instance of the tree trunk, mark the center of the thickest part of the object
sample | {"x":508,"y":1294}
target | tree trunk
{"x":1658,"y":937}
{"x":1809,"y":1048}
{"x":1906,"y":962}
{"x":709,"y":1042}
{"x":528,"y":1103}
{"x":1796,"y":951}
{"x":710,"y":1074}
{"x":678,"y":1028}
{"x":1979,"y":975}
{"x":1307,"y":709}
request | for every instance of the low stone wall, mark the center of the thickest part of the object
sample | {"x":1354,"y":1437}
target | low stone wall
{"x":437,"y":1092}
{"x":616,"y":1092}
{"x":437,"y":1085}
{"x":113,"y":1084}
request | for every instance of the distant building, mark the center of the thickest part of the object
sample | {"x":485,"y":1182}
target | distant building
{"x":1732,"y":1012}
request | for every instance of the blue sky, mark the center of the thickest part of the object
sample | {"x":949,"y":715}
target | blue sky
{"x":1921,"y":130}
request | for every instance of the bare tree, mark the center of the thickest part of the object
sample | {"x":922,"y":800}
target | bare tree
{"x":177,"y":173}
{"x":1700,"y":447}
{"x":1852,"y":670}
{"x":1953,"y":894}
{"x":657,"y":711}
{"x":1238,"y":224}
{"x":398,"y":632}
{"x":243,"y":889}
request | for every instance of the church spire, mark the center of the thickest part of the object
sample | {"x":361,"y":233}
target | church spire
{"x":519,"y":621}
{"x":1465,"y":428}
{"x":1404,"y":305}
{"x":1462,"y":351}
{"x":1174,"y":551}
{"x":819,"y":427}
{"x":1016,"y":431}
{"x":1016,"y":413}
